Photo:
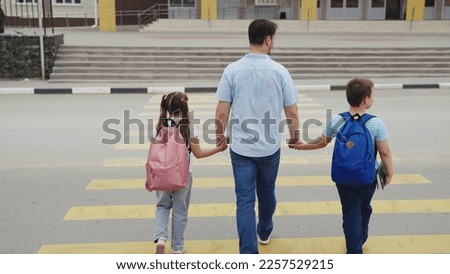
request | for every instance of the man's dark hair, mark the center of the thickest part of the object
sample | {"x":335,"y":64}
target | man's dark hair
{"x":357,"y":90}
{"x":259,"y":29}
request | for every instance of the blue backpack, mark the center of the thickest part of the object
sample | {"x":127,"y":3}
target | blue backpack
{"x":354,"y":155}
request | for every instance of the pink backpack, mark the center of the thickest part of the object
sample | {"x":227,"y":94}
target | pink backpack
{"x":167,"y":163}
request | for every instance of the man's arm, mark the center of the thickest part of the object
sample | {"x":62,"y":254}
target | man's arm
{"x":291,"y":113}
{"x":222,"y":116}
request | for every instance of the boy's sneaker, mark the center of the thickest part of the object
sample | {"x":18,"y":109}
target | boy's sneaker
{"x":161,"y":246}
{"x":264,"y":242}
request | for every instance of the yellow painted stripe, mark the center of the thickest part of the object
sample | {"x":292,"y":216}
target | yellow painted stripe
{"x":195,"y":98}
{"x":146,"y":146}
{"x":219,"y":161}
{"x":212,"y":112}
{"x":212,"y":105}
{"x":112,"y":212}
{"x":192,"y":100}
{"x":203,"y":144}
{"x":211,"y":131}
{"x":214,"y":182}
{"x":408,"y":244}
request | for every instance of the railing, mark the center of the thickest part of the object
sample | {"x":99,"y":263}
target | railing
{"x":127,"y":17}
{"x":152,"y":14}
{"x":26,"y":14}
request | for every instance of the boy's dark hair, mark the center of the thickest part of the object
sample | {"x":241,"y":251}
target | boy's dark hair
{"x":259,"y":29}
{"x":357,"y":90}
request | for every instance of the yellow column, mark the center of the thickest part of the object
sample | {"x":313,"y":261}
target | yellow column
{"x":209,"y":9}
{"x":415,"y":10}
{"x":309,"y":10}
{"x":107,"y":15}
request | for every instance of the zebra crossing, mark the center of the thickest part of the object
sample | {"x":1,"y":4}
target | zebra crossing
{"x":210,"y":211}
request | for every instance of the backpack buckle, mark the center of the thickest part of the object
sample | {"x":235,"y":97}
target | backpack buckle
{"x":356,"y":116}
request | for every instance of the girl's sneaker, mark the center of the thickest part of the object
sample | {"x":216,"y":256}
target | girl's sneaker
{"x":161,"y":246}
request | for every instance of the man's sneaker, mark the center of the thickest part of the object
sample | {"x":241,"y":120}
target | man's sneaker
{"x":161,"y":246}
{"x":178,"y":251}
{"x":264,"y":242}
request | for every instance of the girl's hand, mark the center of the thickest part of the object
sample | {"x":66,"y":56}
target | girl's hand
{"x":223,"y":145}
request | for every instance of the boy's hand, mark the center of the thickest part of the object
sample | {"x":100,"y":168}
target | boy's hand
{"x":297,"y":145}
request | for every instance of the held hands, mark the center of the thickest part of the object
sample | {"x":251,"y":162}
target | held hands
{"x":222,"y":144}
{"x":299,"y":145}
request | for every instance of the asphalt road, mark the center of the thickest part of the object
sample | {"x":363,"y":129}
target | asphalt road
{"x":51,"y":153}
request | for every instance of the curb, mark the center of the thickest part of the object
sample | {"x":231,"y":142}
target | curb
{"x":158,"y":90}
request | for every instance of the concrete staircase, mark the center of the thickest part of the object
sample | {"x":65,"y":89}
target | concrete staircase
{"x":172,"y":64}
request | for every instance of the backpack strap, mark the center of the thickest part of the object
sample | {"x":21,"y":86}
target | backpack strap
{"x":169,"y":122}
{"x":345,"y":115}
{"x":364,"y":118}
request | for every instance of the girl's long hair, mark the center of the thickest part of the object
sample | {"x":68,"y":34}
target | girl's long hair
{"x":175,"y":104}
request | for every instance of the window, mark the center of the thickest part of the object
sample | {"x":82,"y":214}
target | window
{"x":337,"y":3}
{"x":182,"y":3}
{"x":266,"y":2}
{"x":67,"y":2}
{"x":429,"y":3}
{"x":26,"y":1}
{"x":189,"y":3}
{"x":352,"y":3}
{"x":175,"y":3}
{"x":377,"y":3}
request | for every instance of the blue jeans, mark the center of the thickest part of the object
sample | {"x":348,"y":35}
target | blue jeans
{"x":356,"y":211}
{"x":254,"y":174}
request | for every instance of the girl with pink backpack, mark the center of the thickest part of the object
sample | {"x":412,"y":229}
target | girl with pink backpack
{"x":174,"y":112}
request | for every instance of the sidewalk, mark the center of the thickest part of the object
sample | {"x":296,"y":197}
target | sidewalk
{"x":128,"y":38}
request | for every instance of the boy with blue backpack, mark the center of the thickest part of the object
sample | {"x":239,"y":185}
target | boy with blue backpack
{"x":359,"y":136}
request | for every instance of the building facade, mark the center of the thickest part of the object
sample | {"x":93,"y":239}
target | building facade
{"x":126,"y":12}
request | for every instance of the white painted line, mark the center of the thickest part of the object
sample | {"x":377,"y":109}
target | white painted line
{"x":91,"y":90}
{"x":12,"y":91}
{"x":388,"y":86}
{"x":165,"y":89}
{"x":444,"y":85}
{"x":314,"y":87}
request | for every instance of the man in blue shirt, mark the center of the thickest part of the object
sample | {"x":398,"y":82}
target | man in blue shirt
{"x":256,"y":90}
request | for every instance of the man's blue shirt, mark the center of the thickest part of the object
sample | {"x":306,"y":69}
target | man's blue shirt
{"x":258,"y":89}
